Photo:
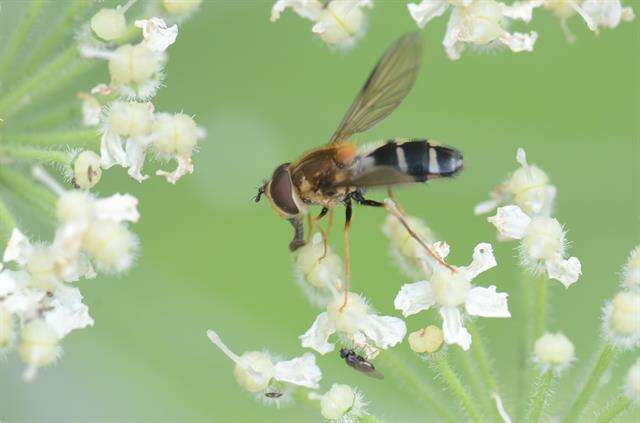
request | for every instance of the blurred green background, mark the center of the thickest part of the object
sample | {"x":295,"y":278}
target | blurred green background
{"x":211,"y":258}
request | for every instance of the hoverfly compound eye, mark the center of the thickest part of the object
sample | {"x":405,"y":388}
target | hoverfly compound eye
{"x":281,"y":190}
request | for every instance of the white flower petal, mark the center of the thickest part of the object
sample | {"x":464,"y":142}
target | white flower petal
{"x":521,"y":157}
{"x":112,"y":151}
{"x":136,"y":153}
{"x":19,"y":297}
{"x":301,"y":371}
{"x":16,"y":247}
{"x":184,"y":166}
{"x":69,"y":312}
{"x":117,"y":208}
{"x":308,"y":9}
{"x":414,"y":297}
{"x":486,"y":302}
{"x":384,"y":331}
{"x":157,"y":36}
{"x":452,"y":38}
{"x":565,"y":271}
{"x":483,"y":260}
{"x":518,"y":41}
{"x":521,"y":10}
{"x":511,"y":222}
{"x":486,"y":206}
{"x":318,"y":334}
{"x":91,"y":110}
{"x":426,"y":10}
{"x":454,"y":331}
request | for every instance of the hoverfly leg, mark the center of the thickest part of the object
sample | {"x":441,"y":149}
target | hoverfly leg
{"x":323,"y":213}
{"x":347,"y":224}
{"x":324,"y":234}
{"x":392,"y":194}
{"x":310,"y":224}
{"x":298,"y":237}
{"x":358,"y":197}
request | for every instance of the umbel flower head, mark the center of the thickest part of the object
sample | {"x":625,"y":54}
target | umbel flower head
{"x":553,"y":351}
{"x":476,"y":22}
{"x":337,"y":22}
{"x":450,"y":290}
{"x":542,"y":243}
{"x":259,"y":373}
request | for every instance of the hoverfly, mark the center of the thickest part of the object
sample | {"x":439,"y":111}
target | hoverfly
{"x":359,"y":363}
{"x":338,"y":174}
{"x":273,"y":395}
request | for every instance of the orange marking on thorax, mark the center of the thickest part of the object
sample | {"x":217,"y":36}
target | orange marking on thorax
{"x":345,"y":153}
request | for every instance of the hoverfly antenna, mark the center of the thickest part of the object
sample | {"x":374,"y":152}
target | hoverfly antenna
{"x":258,"y":196}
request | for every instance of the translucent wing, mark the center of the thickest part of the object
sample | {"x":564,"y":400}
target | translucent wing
{"x":386,"y":87}
{"x":377,"y":176}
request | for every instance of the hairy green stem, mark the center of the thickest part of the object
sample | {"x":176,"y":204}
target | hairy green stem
{"x":442,"y":366}
{"x":539,"y":396}
{"x":19,"y":152}
{"x":526,"y":341}
{"x":614,"y":408}
{"x":414,"y":384}
{"x":31,"y":192}
{"x":604,"y":360}
{"x":17,"y":41}
{"x":540,"y":322}
{"x":7,"y":222}
{"x":52,"y":117}
{"x":87,"y":137}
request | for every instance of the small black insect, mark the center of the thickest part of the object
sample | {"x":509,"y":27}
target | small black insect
{"x":273,"y":394}
{"x":359,"y":363}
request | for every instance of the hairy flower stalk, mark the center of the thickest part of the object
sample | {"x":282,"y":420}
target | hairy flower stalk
{"x":628,"y":398}
{"x":39,"y":302}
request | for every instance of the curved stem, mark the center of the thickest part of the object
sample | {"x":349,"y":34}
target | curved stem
{"x":414,"y":384}
{"x":540,"y":322}
{"x":450,"y":377}
{"x":87,"y":137}
{"x":30,"y":191}
{"x":18,"y":152}
{"x":605,"y":357}
{"x":614,"y":408}
{"x":8,"y":56}
{"x":539,"y":396}
{"x":7,"y":222}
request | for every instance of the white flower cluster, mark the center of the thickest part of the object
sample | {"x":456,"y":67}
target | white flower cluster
{"x":130,"y":126}
{"x":527,"y":218}
{"x":337,"y":22}
{"x":553,"y":351}
{"x":36,"y":291}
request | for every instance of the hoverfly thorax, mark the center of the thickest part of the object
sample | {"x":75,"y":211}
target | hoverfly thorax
{"x":282,"y":193}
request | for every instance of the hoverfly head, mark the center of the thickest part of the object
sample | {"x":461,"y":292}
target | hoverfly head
{"x":281,"y":192}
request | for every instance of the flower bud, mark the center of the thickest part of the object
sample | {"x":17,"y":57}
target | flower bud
{"x":317,"y":271}
{"x":631,"y":270}
{"x":180,"y":7}
{"x":130,"y":119}
{"x":337,"y":401}
{"x":339,"y":21}
{"x":74,"y":206}
{"x":530,"y":188}
{"x":625,"y":317}
{"x":632,"y":387}
{"x":544,"y":239}
{"x":38,"y":344}
{"x":108,"y":24}
{"x":111,"y":245}
{"x":6,"y":327}
{"x":41,"y":266}
{"x":254,"y":371}
{"x":133,"y":64}
{"x":554,"y":350}
{"x":402,"y":240}
{"x":426,"y":340}
{"x":87,"y":170}
{"x":175,"y":134}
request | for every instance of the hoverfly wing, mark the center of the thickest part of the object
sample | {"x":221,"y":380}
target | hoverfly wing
{"x":377,"y":177}
{"x":363,"y":366}
{"x":389,"y":83}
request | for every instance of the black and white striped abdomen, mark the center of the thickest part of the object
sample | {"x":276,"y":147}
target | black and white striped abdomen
{"x":418,"y":158}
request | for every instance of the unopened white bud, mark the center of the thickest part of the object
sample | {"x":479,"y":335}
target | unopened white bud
{"x":347,"y":318}
{"x":339,"y":22}
{"x":180,"y":7}
{"x":130,"y":119}
{"x":625,"y":317}
{"x":632,"y":386}
{"x":544,"y":239}
{"x":74,"y":206}
{"x":254,"y":371}
{"x":6,"y":327}
{"x":108,"y":24}
{"x":530,"y":188}
{"x":38,"y":345}
{"x":451,"y":289}
{"x":554,"y":350}
{"x":426,"y":340}
{"x":631,"y":270}
{"x":175,"y":134}
{"x":41,"y":266}
{"x":87,"y":170}
{"x":133,"y":64}
{"x":317,"y":270}
{"x":111,"y":245}
{"x":400,"y":237}
{"x":337,"y":402}
{"x":561,"y":8}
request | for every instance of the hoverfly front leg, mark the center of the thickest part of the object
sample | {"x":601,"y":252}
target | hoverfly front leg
{"x":298,"y":237}
{"x":347,"y":224}
{"x":324,"y":234}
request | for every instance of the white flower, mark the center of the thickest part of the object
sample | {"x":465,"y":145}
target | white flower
{"x":157,"y":36}
{"x":308,"y":9}
{"x":91,"y":109}
{"x":66,"y":311}
{"x":632,"y":386}
{"x":317,"y":270}
{"x":543,"y":243}
{"x":357,"y":322}
{"x":621,"y":320}
{"x":553,"y":351}
{"x":38,"y":346}
{"x":256,"y":371}
{"x":18,"y":297}
{"x":631,"y":270}
{"x":449,"y":290}
{"x":477,"y":22}
{"x":342,"y":403}
{"x":528,"y":187}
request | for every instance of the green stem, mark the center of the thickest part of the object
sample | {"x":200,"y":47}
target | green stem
{"x":7,"y":222}
{"x":409,"y":378}
{"x":471,"y":374}
{"x":606,"y":356}
{"x":18,"y":38}
{"x":450,"y":377}
{"x":539,"y":396}
{"x":30,"y":191}
{"x":75,"y":11}
{"x":18,"y":152}
{"x":87,"y":137}
{"x":540,"y":322}
{"x":50,"y":118}
{"x":614,"y":408}
{"x":370,"y":418}
{"x":526,"y":343}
